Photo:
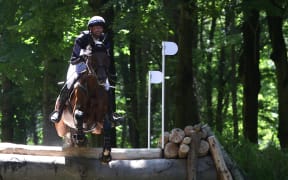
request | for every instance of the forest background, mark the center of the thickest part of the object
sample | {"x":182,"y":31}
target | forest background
{"x":230,"y":72}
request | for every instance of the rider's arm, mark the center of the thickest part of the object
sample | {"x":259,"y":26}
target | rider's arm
{"x":81,"y":42}
{"x":76,"y":58}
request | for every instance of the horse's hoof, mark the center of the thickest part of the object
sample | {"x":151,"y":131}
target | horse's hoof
{"x":106,"y":156}
{"x":80,"y":140}
{"x":82,"y":143}
{"x":106,"y":159}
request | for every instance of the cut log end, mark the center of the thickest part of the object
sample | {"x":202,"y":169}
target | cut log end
{"x":176,"y":135}
{"x":203,"y":148}
{"x":171,"y":150}
{"x":183,"y":151}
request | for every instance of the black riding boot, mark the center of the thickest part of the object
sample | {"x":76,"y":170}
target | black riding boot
{"x":55,"y":116}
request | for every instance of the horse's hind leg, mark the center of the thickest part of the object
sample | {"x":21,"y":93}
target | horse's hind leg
{"x":61,"y":128}
{"x":65,"y":132}
{"x":67,"y":140}
{"x":71,"y":139}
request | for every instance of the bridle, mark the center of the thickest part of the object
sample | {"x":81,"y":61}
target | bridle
{"x":91,"y":70}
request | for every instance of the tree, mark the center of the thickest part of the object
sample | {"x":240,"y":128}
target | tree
{"x":201,"y":80}
{"x":279,"y":56}
{"x":7,"y":111}
{"x":187,"y":111}
{"x":231,"y":29}
{"x":250,"y":74}
{"x":15,"y":77}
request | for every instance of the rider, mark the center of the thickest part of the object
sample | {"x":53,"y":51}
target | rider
{"x":97,"y":39}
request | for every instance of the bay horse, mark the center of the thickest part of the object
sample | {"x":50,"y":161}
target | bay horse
{"x":87,"y":108}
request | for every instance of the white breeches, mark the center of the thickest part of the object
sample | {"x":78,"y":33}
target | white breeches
{"x":75,"y":70}
{"x":73,"y":73}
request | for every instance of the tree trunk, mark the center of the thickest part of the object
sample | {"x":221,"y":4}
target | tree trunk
{"x":209,"y":74}
{"x":124,"y":69}
{"x":50,"y":136}
{"x":142,"y":92}
{"x":7,"y":122}
{"x":186,"y":100}
{"x":220,"y":91}
{"x":231,"y":28}
{"x":234,"y":94}
{"x":132,"y":120}
{"x":279,"y":57}
{"x":251,"y":74}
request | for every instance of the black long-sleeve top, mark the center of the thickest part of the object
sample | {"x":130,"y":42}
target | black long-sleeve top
{"x":85,"y":39}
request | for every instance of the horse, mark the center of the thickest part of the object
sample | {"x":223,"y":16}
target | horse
{"x":87,"y":109}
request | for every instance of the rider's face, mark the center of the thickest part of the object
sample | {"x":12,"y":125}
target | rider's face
{"x":96,"y":30}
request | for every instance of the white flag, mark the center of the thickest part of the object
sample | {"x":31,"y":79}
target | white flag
{"x":169,"y":48}
{"x":155,"y":77}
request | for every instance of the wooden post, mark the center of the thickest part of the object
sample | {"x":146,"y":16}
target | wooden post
{"x":193,"y":155}
{"x":221,"y":167}
{"x":233,"y":167}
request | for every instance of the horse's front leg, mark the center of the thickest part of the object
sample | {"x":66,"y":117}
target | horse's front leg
{"x":79,"y":115}
{"x":79,"y":119}
{"x":106,"y":154}
{"x":79,"y":136}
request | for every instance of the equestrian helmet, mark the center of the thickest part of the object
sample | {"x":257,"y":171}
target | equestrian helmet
{"x":96,"y":20}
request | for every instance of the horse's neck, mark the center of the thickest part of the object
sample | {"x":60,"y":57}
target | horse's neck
{"x":92,"y":82}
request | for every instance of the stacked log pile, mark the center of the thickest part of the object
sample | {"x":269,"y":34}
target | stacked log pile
{"x":192,"y":143}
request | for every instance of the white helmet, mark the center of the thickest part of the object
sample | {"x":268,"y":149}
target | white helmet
{"x":96,"y":20}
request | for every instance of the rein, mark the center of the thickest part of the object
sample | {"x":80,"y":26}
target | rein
{"x":92,"y":72}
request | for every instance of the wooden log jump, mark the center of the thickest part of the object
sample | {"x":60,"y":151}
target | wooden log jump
{"x":46,"y":163}
{"x":117,"y":153}
{"x":192,"y":153}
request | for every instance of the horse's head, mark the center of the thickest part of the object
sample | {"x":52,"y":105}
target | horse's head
{"x":99,"y":63}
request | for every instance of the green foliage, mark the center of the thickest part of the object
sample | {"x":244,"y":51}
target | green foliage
{"x":32,"y":33}
{"x":268,"y":163}
{"x":37,"y":37}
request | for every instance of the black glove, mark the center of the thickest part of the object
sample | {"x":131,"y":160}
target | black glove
{"x":86,"y":52}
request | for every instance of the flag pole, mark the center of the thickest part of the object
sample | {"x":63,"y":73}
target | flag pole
{"x":163,"y":95}
{"x":149,"y":108}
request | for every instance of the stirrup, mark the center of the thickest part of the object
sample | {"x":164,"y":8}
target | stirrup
{"x":117,"y":119}
{"x":54,"y":117}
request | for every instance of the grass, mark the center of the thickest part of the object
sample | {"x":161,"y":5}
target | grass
{"x":269,"y":163}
